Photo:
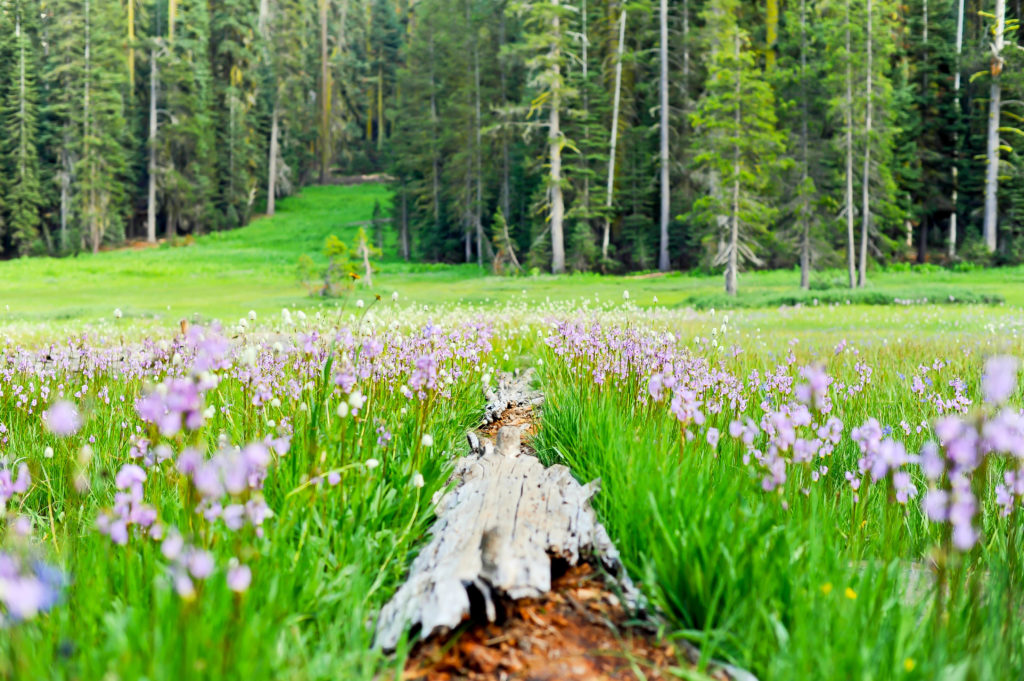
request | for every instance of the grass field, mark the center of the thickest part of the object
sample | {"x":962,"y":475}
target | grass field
{"x":254,"y":268}
{"x":824,"y":491}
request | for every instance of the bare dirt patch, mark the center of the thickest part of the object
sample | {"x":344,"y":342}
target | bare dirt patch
{"x":579,"y":631}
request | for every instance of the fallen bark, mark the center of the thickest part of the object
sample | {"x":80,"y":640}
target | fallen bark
{"x":497,"y":531}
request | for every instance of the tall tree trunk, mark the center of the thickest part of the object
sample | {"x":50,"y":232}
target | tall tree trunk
{"x":992,"y":148}
{"x":956,"y":100}
{"x":342,"y":46}
{"x":865,"y":217}
{"x":805,"y":231}
{"x":585,"y":159}
{"x":663,"y":261}
{"x":91,"y":216}
{"x":325,"y":130}
{"x":506,"y":194}
{"x":151,"y":184}
{"x":922,"y":251}
{"x":380,"y":106}
{"x":435,"y":177}
{"x":850,"y":259}
{"x":731,"y":268}
{"x":272,"y":161}
{"x":262,"y":19}
{"x":555,"y":152}
{"x":131,"y":48}
{"x":771,"y":31}
{"x":65,"y":185}
{"x":478,"y":202}
{"x":616,"y":97}
{"x":405,"y":224}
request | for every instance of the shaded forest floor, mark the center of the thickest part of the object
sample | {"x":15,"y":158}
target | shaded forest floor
{"x":255,"y":268}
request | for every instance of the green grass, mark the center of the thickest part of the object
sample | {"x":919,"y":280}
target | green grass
{"x":758,"y":579}
{"x":330,"y":557}
{"x":253,"y":267}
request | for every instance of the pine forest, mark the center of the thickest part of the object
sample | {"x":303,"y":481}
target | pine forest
{"x":528,"y":135}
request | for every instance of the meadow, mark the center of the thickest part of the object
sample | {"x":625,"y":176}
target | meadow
{"x":805,"y":491}
{"x":225,"y":274}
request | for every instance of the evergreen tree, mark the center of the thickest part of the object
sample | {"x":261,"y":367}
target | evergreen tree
{"x":548,"y":45}
{"x":18,"y":117}
{"x":186,"y":143}
{"x":234,"y":64}
{"x":740,"y":143}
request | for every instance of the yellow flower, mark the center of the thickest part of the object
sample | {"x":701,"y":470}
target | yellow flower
{"x":826,"y":588}
{"x":851,"y":594}
{"x":909,"y":664}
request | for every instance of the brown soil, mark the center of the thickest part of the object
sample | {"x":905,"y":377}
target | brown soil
{"x":577,"y":632}
{"x":521,"y":415}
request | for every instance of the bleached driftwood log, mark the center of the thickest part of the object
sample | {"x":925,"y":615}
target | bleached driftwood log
{"x":496,"y":533}
{"x":512,"y":391}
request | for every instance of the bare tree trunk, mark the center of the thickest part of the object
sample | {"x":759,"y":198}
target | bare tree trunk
{"x":585,"y":90}
{"x":65,"y":185}
{"x":131,"y":46}
{"x":405,"y":224}
{"x":91,"y":211}
{"x":325,"y":131}
{"x":849,"y":154}
{"x":435,"y":177}
{"x":555,"y":153}
{"x":380,"y":107}
{"x":614,"y":137}
{"x":866,"y":187}
{"x":663,"y":261}
{"x":477,"y":151}
{"x":151,"y":194}
{"x":992,"y":150}
{"x":956,"y":96}
{"x":805,"y":232}
{"x":272,"y":161}
{"x":734,"y":226}
{"x":506,"y":198}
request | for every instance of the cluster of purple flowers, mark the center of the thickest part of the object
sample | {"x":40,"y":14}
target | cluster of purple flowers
{"x":228,"y":484}
{"x":62,"y":418}
{"x":27,"y":587}
{"x":129,"y":508}
{"x":175,"y":402}
{"x":12,"y":483}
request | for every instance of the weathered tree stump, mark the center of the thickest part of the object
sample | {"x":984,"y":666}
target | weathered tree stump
{"x":497,"y":531}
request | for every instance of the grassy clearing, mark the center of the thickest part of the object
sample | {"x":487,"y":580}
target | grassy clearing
{"x":254,"y":268}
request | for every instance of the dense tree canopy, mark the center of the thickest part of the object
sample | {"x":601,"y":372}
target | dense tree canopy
{"x":811,"y":133}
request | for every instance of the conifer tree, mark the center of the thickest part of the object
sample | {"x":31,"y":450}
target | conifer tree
{"x":18,"y":120}
{"x":186,"y":142}
{"x":548,"y":44}
{"x":740,"y":144}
